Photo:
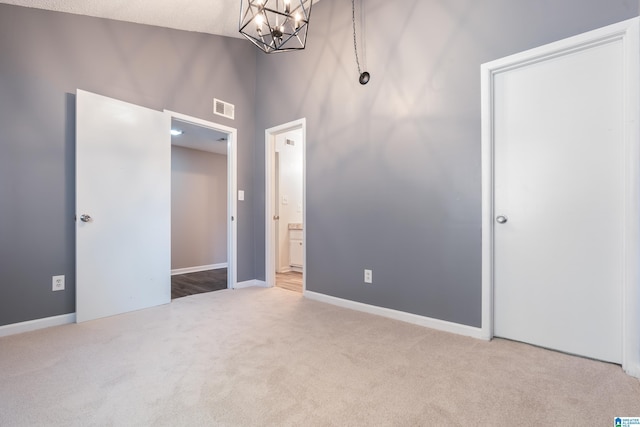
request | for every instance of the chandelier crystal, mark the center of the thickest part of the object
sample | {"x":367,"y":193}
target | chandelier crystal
{"x":275,"y":25}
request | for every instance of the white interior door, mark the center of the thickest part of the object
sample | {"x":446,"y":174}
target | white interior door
{"x":559,"y":202}
{"x":123,"y":164}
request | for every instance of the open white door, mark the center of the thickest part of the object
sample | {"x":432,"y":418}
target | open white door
{"x":123,"y":207}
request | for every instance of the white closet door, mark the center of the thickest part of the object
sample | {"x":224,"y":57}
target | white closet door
{"x":559,"y":183}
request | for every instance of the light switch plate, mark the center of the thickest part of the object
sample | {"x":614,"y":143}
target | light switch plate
{"x":241,"y":195}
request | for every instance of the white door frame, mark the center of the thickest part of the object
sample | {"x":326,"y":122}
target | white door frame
{"x":232,"y":193}
{"x":627,"y":33}
{"x":270,"y":230}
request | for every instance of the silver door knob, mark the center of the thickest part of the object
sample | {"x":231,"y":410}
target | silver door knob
{"x":501,"y":219}
{"x":85,"y":218}
{"x":276,"y":217}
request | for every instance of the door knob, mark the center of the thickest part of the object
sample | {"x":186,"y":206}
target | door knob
{"x":85,"y":218}
{"x":501,"y":219}
{"x":276,"y":217}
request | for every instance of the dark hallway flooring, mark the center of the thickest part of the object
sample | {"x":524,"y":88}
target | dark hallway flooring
{"x":183,"y":285}
{"x":199,"y":282}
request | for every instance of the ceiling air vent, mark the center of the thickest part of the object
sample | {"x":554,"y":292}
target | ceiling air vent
{"x":223,"y":109}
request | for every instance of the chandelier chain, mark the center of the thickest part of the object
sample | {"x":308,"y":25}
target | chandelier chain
{"x":355,"y":45}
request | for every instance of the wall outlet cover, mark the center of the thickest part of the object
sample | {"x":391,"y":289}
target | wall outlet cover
{"x":368,"y":276}
{"x":57,"y":283}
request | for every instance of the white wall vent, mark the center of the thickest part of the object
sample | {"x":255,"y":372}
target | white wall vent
{"x":223,"y":109}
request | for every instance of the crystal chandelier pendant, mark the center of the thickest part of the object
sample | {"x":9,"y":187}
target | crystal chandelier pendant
{"x":275,"y":25}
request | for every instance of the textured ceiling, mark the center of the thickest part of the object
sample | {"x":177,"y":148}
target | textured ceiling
{"x":206,"y":16}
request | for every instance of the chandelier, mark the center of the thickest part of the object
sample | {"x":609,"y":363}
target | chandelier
{"x":275,"y":25}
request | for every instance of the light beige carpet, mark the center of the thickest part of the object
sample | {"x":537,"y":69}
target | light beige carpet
{"x":257,"y":357}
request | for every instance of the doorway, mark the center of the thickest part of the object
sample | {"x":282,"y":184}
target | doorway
{"x":560,"y":196}
{"x":203,"y":189}
{"x":123,"y":206}
{"x":198,"y":209}
{"x":285,"y":240}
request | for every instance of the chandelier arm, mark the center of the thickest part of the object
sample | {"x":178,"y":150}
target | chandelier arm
{"x":304,"y":11}
{"x":298,"y":37}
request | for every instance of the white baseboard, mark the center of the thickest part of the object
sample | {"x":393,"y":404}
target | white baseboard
{"x":198,"y":268}
{"x":33,"y":325}
{"x":633,"y":370}
{"x":289,"y":269}
{"x":415,"y":319}
{"x":250,"y":284}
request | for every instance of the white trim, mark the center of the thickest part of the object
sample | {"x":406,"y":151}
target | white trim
{"x":198,"y":268}
{"x":631,"y":287}
{"x":33,"y":325}
{"x":232,"y":189}
{"x":629,"y":34}
{"x":440,"y":325}
{"x":251,"y":284}
{"x":269,"y":158}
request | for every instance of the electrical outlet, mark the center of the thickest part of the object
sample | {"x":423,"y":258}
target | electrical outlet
{"x":368,"y":276}
{"x":57,"y":283}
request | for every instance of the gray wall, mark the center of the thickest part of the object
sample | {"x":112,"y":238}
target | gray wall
{"x":44,"y":57}
{"x":198,"y":208}
{"x":393,"y":168}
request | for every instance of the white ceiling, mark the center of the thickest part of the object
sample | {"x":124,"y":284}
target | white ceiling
{"x":199,"y":138}
{"x":206,"y":16}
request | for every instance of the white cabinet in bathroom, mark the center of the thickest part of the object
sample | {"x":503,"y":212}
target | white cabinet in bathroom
{"x":296,"y":256}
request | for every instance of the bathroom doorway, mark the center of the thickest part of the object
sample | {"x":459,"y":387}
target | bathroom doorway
{"x":285,"y":242}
